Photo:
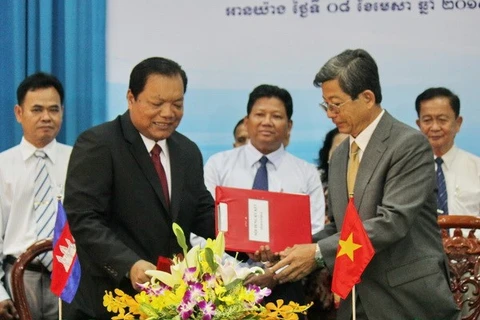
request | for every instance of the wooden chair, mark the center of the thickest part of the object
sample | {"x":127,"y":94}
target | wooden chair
{"x":464,"y":261}
{"x":18,"y":269}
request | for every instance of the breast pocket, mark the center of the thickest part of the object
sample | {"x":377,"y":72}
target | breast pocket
{"x":467,"y":196}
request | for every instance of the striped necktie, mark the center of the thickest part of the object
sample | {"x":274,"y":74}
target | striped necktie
{"x":44,"y":205}
{"x":442,"y":199}
{"x":261,"y":178}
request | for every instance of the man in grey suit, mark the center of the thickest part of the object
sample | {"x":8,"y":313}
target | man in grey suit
{"x":119,"y":203}
{"x":394,"y":193}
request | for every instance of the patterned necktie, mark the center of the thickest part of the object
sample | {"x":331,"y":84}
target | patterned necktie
{"x":442,"y":200}
{"x":353,"y":164}
{"x":160,"y":172}
{"x":44,"y":205}
{"x":261,"y":178}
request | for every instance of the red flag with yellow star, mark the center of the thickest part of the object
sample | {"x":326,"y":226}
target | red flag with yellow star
{"x":353,"y":254}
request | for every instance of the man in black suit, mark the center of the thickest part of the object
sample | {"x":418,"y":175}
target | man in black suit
{"x":119,"y":211}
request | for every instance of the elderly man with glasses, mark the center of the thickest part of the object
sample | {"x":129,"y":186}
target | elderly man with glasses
{"x":394,"y":193}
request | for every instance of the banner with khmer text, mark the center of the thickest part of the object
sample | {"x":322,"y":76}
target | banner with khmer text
{"x":229,"y":47}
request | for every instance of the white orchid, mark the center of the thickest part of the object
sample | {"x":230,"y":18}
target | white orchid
{"x":231,"y":270}
{"x":196,"y":259}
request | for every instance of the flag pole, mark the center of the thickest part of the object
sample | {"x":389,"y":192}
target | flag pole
{"x":60,"y":309}
{"x":354,"y":311}
{"x":59,"y":198}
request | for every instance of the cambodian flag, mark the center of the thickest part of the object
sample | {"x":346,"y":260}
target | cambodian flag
{"x":66,"y":267}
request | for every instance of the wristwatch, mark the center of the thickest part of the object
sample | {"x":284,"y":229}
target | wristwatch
{"x":319,"y":258}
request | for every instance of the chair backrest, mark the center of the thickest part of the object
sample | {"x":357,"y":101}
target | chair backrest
{"x":463,"y":254}
{"x":18,"y":269}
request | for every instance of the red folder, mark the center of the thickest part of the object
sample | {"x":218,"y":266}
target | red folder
{"x":251,"y":218}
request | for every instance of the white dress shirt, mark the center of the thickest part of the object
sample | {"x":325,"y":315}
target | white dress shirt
{"x":364,"y":137}
{"x":286,"y":173}
{"x":462,"y":177}
{"x":17,"y":168}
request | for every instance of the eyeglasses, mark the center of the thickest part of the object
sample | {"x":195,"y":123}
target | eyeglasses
{"x":333,"y":107}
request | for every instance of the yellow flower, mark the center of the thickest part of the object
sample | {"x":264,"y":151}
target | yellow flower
{"x":247,"y":296}
{"x":217,"y":245}
{"x":282,"y":311}
{"x":220,"y":290}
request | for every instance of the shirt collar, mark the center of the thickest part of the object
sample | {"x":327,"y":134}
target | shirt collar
{"x":253,"y":155}
{"x":364,"y":137}
{"x":28,"y":150}
{"x":449,"y":157}
{"x":149,"y":144}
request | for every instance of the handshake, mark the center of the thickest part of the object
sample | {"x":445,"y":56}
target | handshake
{"x":289,"y":265}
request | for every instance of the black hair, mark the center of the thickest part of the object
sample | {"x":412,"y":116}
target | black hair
{"x":269,"y":91}
{"x":431,"y":93}
{"x":236,"y":126}
{"x":154,"y":65}
{"x":39,"y":80}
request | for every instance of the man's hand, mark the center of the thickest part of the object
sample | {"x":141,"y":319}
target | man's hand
{"x":137,"y":273}
{"x":262,"y":280}
{"x":264,"y":254}
{"x":7,"y":310}
{"x":297,"y":262}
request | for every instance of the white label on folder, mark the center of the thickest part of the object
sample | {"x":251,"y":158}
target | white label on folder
{"x":258,"y":227}
{"x":222,"y":217}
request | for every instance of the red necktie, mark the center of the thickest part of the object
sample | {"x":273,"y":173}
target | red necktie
{"x":160,"y":171}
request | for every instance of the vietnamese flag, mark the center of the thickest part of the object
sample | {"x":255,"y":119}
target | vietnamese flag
{"x":353,"y":254}
{"x":66,"y":267}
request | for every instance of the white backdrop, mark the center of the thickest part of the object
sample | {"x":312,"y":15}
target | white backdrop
{"x":229,"y":47}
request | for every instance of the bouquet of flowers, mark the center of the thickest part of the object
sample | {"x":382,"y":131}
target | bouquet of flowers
{"x":200,"y":285}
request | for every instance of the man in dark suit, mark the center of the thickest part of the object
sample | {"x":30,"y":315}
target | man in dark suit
{"x":119,"y":206}
{"x":394,"y":193}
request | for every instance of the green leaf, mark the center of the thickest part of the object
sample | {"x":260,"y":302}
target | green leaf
{"x":209,"y":256}
{"x":180,"y":238}
{"x":148,"y":310}
{"x":233,"y":284}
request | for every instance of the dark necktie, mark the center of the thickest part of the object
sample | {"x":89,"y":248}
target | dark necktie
{"x":442,"y":200}
{"x":261,"y":178}
{"x":160,"y":171}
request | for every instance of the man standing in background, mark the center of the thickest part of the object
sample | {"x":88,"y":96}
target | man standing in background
{"x":128,"y":180}
{"x":32,"y":175}
{"x":458,"y":172}
{"x":240,"y":134}
{"x":268,"y":122}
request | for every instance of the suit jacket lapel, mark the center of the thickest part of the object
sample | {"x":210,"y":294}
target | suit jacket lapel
{"x":176,"y":172}
{"x":141,"y":155}
{"x":371,"y":157}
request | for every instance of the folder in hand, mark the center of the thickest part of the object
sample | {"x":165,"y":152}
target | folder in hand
{"x":251,"y":218}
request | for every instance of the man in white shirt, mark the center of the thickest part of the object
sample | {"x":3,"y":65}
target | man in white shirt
{"x":268,"y":122}
{"x":439,"y":118}
{"x":40,"y":112}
